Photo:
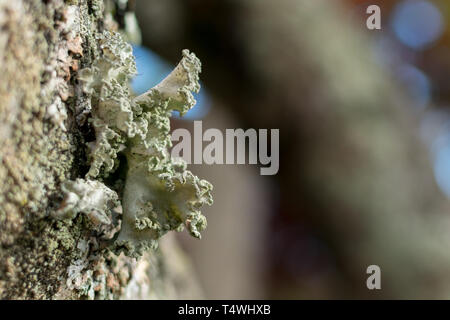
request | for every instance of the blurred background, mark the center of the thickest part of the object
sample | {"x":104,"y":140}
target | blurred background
{"x":364,"y":123}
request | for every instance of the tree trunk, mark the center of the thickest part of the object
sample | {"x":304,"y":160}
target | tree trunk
{"x":42,"y":144}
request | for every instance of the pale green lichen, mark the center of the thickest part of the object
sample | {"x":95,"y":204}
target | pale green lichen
{"x":159,"y":193}
{"x":95,"y":200}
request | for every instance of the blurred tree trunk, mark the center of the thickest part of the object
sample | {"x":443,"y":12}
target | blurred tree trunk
{"x":352,"y":166}
{"x":42,"y":143}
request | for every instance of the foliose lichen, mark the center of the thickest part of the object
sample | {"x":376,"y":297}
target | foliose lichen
{"x":160,"y":194}
{"x":95,"y":200}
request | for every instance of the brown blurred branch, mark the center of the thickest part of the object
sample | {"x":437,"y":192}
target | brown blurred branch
{"x":351,"y":161}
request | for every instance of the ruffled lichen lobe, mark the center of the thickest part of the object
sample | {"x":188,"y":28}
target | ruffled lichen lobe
{"x":160,"y":194}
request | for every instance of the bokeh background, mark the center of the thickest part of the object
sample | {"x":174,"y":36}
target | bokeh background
{"x":364,"y":141}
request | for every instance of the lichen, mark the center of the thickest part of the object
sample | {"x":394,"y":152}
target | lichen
{"x":159,"y":194}
{"x":95,"y":200}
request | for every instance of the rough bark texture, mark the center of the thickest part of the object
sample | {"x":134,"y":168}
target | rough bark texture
{"x":43,"y":131}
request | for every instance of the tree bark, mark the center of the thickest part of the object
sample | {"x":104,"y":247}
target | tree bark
{"x":43,"y":135}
